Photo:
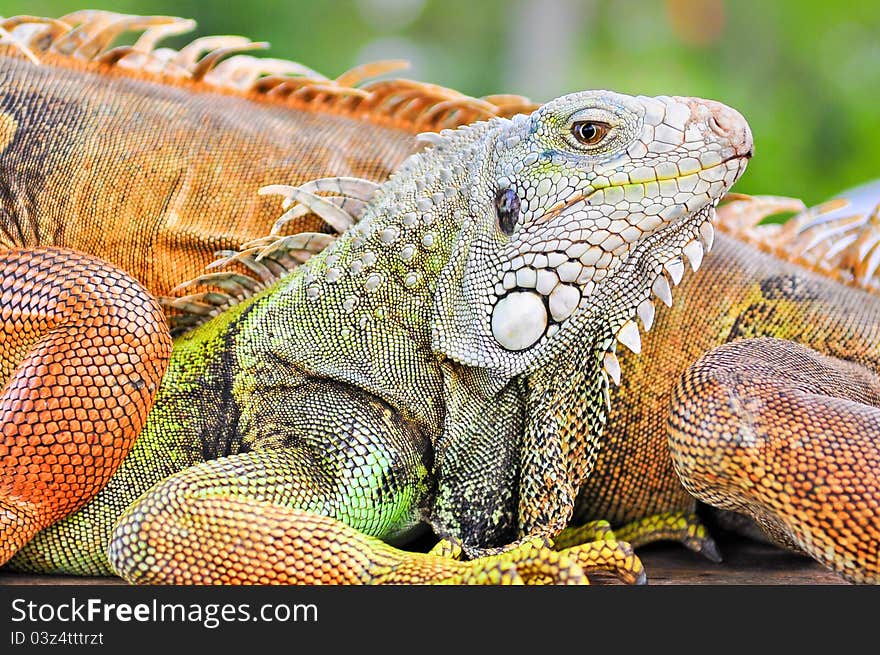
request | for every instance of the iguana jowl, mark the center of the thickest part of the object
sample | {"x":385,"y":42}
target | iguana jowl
{"x":779,"y":422}
{"x":424,"y":365}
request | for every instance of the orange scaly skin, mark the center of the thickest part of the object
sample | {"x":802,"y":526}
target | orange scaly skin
{"x":82,"y":351}
{"x":724,"y":301}
{"x":777,"y":431}
{"x":249,"y":542}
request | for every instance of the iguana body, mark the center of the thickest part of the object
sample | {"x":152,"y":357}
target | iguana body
{"x":422,"y":369}
{"x":633,"y":478}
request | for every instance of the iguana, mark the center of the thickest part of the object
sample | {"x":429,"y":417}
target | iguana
{"x":443,"y":362}
{"x":633,"y":479}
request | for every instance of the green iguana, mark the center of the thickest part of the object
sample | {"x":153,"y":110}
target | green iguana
{"x":442,"y":362}
{"x":632,"y":479}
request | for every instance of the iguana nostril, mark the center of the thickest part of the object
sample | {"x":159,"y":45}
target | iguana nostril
{"x":730,"y":125}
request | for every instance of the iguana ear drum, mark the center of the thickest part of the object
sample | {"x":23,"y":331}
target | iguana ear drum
{"x":507,"y":209}
{"x":519,"y":320}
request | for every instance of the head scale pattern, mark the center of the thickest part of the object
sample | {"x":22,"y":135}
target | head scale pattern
{"x":586,"y":186}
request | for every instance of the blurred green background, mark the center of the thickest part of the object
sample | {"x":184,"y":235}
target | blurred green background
{"x":805,"y":73}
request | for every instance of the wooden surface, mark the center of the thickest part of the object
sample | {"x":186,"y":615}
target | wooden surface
{"x":745,"y":563}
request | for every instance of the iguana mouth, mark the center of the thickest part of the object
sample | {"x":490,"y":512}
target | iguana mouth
{"x":583,"y":197}
{"x":567,"y":273}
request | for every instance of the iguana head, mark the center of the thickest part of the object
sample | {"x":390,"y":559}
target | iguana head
{"x":576,"y":214}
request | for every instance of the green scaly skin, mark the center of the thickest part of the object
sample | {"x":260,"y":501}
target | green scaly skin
{"x":420,"y":371}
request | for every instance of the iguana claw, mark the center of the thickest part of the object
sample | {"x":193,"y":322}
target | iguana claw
{"x":687,"y":529}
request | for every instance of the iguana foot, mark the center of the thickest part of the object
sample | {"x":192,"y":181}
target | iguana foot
{"x":530,"y":561}
{"x":575,"y":535}
{"x":596,"y":547}
{"x":609,"y":555}
{"x":685,"y":528}
{"x":446,"y":548}
{"x":534,"y":562}
{"x":590,"y":548}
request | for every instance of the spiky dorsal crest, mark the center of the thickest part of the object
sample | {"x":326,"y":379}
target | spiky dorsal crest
{"x":237,"y":275}
{"x":85,"y":39}
{"x":839,"y":238}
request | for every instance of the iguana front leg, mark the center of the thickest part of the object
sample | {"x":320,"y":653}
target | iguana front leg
{"x":333,"y":471}
{"x":226,"y":539}
{"x":788,"y":436}
{"x":243,"y":520}
{"x":82,"y":350}
{"x":223,"y":522}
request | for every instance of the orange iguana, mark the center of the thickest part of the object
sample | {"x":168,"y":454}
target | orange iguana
{"x":150,"y":159}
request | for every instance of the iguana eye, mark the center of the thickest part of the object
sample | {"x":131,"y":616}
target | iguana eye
{"x":507,"y":209}
{"x":589,"y":132}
